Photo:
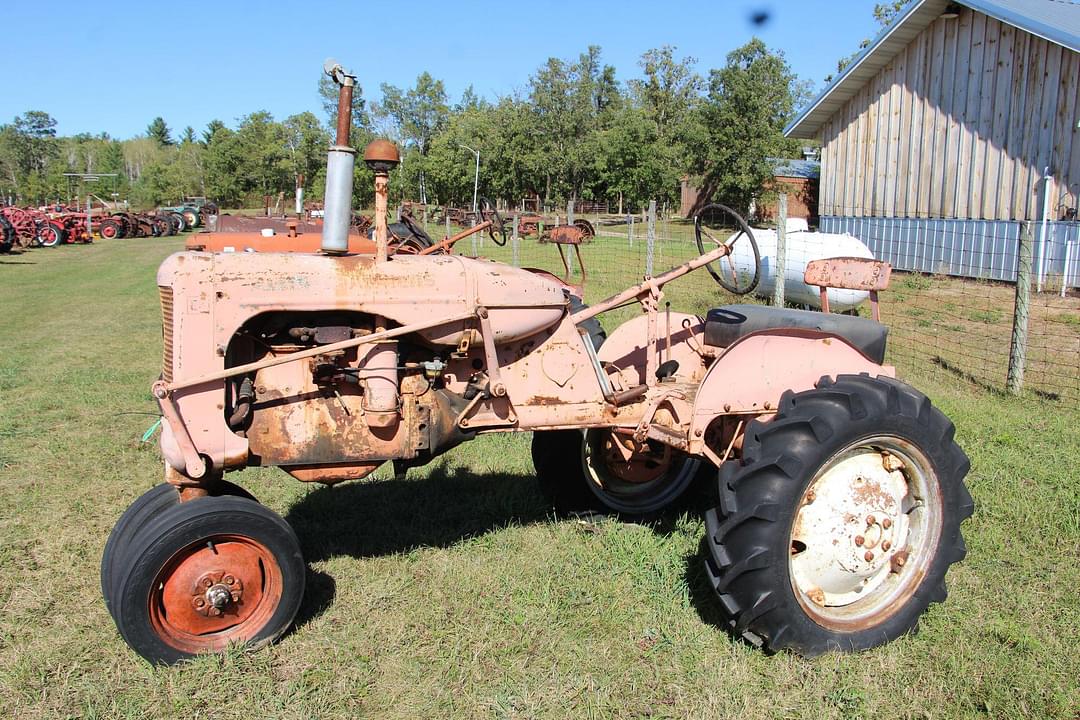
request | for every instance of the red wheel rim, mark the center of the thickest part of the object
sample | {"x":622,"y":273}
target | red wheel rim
{"x":108,"y":231}
{"x":220,"y":590}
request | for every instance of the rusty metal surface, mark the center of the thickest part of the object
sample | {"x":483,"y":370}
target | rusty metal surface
{"x":849,"y":273}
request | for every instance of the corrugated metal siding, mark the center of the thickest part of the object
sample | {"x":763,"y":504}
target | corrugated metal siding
{"x":984,"y":249}
{"x":960,"y":124}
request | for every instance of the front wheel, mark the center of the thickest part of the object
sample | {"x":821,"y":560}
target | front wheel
{"x":837,"y":527}
{"x":207,"y":573}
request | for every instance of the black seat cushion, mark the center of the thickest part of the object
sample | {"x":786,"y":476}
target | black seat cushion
{"x":726,"y":324}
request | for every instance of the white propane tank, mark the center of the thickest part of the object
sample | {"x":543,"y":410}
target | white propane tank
{"x":802,"y":247}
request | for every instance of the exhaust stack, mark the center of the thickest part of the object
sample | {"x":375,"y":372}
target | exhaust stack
{"x":337,"y":203}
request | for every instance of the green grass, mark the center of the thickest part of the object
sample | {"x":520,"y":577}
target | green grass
{"x":453,"y":593}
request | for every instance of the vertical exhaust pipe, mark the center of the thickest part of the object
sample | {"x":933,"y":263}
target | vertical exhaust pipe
{"x":340,"y":161}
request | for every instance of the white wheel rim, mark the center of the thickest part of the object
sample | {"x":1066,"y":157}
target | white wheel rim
{"x":865,"y":532}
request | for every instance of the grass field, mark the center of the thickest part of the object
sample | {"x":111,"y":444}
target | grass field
{"x":454,"y":593}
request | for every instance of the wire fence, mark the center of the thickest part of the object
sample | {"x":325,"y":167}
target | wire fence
{"x":951,"y":306}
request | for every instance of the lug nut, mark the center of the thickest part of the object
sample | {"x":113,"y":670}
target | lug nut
{"x":199,"y":602}
{"x":207,"y":582}
{"x":859,"y":540}
{"x":868,"y":556}
{"x":817,"y":596}
{"x":870,"y":520}
{"x":886,"y":523}
{"x":215,"y":611}
{"x":886,"y":545}
{"x":229,"y":580}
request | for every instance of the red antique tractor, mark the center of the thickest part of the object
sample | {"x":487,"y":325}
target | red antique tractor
{"x":840,"y":491}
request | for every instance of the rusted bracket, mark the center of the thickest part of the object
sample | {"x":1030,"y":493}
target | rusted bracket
{"x":651,"y":304}
{"x":491,"y":357}
{"x":194,"y":465}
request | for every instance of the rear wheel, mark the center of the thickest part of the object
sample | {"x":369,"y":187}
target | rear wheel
{"x":835,"y":530}
{"x":208,"y":573}
{"x":597,"y":470}
{"x":191,"y":217}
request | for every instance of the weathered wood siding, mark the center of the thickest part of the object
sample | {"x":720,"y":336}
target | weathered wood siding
{"x":959,"y":125}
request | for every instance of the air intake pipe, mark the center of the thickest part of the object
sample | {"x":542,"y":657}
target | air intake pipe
{"x":337,"y":203}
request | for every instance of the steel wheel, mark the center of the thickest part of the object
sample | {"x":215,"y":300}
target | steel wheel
{"x":865,"y":533}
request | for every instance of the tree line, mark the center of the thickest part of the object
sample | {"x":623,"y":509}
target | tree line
{"x":576,"y":131}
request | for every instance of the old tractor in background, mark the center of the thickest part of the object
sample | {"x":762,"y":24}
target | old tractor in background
{"x":840,"y":494}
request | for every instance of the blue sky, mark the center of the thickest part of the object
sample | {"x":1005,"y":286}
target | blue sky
{"x":114,"y":66}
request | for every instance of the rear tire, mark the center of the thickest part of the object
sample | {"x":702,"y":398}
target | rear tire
{"x":837,"y":526}
{"x":575,"y":476}
{"x":205,"y":574}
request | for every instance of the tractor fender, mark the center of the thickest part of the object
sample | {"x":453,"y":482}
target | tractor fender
{"x":752,"y":373}
{"x":625,"y":348}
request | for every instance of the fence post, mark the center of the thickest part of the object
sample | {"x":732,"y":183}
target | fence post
{"x":514,"y":242}
{"x":630,"y":226}
{"x":447,"y":222}
{"x":570,"y":221}
{"x":650,"y":238}
{"x":1018,"y":348}
{"x":475,"y":251}
{"x":780,"y":261}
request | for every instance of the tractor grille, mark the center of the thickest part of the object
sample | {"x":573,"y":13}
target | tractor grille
{"x":166,"y":294}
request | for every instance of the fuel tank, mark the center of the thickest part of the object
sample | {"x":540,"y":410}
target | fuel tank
{"x":232,"y":287}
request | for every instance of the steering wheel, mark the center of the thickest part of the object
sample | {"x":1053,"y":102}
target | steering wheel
{"x":416,"y":229}
{"x":497,"y":224}
{"x":729,"y":277}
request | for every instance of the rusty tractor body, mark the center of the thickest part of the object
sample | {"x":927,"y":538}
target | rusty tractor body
{"x":840,"y":492}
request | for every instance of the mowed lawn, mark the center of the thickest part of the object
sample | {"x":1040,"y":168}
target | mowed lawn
{"x":454,"y":593}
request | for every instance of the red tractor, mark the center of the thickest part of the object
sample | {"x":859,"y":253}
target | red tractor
{"x":840,"y":493}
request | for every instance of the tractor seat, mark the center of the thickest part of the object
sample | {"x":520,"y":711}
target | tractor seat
{"x":726,"y":324}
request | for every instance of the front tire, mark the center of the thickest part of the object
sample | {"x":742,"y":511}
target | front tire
{"x":207,"y":573}
{"x":836,"y":528}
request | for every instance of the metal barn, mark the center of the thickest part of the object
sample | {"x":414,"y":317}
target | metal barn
{"x":956,"y":124}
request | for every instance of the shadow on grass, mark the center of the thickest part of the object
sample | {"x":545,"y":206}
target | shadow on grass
{"x":447,"y":506}
{"x":377,"y":518}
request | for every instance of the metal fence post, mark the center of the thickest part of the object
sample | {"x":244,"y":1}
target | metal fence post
{"x":650,"y":237}
{"x":570,"y":221}
{"x":1018,"y":348}
{"x":630,"y":230}
{"x":475,"y":251}
{"x":780,"y":261}
{"x":448,"y":222}
{"x":514,"y":242}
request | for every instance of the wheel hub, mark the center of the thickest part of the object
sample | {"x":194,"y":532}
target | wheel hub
{"x":852,"y":529}
{"x":211,"y":593}
{"x":215,"y":591}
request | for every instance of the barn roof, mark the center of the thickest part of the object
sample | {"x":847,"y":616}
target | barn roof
{"x":788,"y":168}
{"x":1055,"y":20}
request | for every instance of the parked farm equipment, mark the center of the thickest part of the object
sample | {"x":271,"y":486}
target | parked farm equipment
{"x":840,"y":488}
